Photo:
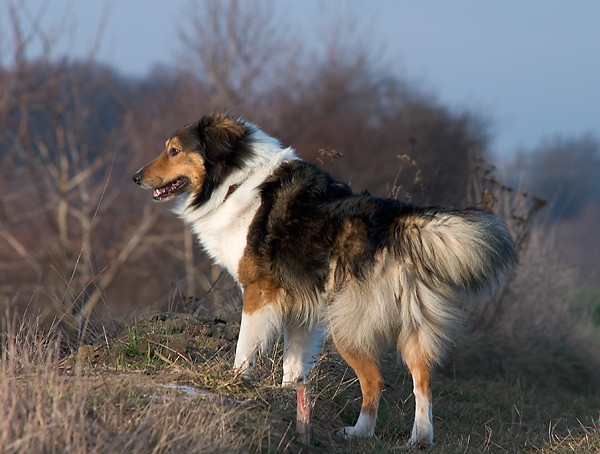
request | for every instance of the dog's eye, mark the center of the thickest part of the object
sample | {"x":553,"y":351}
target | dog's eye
{"x":174,"y":151}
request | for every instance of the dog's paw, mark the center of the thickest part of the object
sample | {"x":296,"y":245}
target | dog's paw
{"x":344,"y":433}
{"x":352,"y":432}
{"x":364,"y":427}
{"x":422,"y":435}
{"x":245,"y":373}
{"x":287,"y":382}
{"x":421,"y":442}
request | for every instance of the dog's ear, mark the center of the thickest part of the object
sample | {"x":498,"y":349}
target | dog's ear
{"x":220,"y":134}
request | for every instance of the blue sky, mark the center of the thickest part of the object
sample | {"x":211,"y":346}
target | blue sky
{"x":532,"y":67}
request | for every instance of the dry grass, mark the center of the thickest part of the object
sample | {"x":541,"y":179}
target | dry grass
{"x":46,"y":406}
{"x":109,"y":397}
{"x":523,"y":379}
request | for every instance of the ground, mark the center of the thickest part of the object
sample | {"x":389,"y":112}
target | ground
{"x":163,"y":383}
{"x":191,"y":356}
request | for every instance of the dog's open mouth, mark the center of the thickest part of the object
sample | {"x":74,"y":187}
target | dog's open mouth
{"x":170,"y":189}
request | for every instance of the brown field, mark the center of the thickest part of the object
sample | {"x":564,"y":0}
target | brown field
{"x":163,"y":384}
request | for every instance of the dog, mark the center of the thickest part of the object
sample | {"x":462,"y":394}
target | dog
{"x":319,"y":260}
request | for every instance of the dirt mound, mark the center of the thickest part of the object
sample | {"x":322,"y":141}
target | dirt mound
{"x":165,"y":337}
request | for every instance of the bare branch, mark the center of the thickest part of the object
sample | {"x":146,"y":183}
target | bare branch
{"x":14,"y":243}
{"x":115,"y":266}
{"x":236,"y":47}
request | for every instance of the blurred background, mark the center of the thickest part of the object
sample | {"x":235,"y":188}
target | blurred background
{"x":431,"y":102}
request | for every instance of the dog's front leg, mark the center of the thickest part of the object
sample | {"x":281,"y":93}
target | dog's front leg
{"x":300,"y":346}
{"x":259,"y":324}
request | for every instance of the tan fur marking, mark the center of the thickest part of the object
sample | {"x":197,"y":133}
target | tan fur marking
{"x":247,"y":269}
{"x":259,"y":290}
{"x":173,"y":142}
{"x":418,"y":365}
{"x":260,"y":294}
{"x":371,"y":381}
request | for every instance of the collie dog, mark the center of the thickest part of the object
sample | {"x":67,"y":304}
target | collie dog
{"x":316,"y":259}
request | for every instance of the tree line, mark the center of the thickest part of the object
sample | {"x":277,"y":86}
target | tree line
{"x":77,"y":238}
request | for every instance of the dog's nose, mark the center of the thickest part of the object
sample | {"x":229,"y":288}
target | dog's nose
{"x":137,"y":177}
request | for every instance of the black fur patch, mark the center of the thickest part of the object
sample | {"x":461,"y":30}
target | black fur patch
{"x":306,"y":219}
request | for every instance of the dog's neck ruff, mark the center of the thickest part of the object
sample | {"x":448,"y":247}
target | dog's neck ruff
{"x":221,"y":224}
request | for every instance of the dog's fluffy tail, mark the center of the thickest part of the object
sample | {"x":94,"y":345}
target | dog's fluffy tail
{"x":459,"y":253}
{"x":448,"y":257}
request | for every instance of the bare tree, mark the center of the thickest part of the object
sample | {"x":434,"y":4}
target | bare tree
{"x":237,"y":48}
{"x":60,"y":197}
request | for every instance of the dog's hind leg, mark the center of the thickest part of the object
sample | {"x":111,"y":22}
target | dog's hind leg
{"x":300,"y":346}
{"x":371,"y":385}
{"x":419,"y":366}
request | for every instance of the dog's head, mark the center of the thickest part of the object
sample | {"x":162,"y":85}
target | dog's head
{"x":197,"y":158}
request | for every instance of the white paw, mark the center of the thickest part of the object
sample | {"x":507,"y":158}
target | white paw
{"x":293,"y":372}
{"x":352,"y":432}
{"x":293,"y":379}
{"x":365,"y":427}
{"x":421,"y":439}
{"x":243,"y":371}
{"x":346,"y":433}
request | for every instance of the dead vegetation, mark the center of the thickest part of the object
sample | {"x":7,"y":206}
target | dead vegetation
{"x":163,"y":383}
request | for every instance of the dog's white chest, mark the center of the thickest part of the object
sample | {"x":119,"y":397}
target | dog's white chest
{"x":223,"y":233}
